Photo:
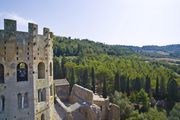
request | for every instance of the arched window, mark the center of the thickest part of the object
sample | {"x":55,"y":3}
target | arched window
{"x":26,"y":103}
{"x":41,"y":70}
{"x":22,"y":72}
{"x":1,"y":73}
{"x":50,"y":69}
{"x":42,"y":117}
{"x":2,"y":103}
{"x":19,"y":97}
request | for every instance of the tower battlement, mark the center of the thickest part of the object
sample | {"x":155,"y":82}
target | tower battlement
{"x":10,"y":26}
{"x":21,"y":44}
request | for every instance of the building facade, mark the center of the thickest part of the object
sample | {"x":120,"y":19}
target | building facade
{"x":26,"y":73}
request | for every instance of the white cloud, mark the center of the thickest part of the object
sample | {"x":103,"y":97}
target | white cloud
{"x":22,"y":23}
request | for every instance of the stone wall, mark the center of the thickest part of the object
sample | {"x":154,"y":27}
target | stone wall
{"x":114,"y":113}
{"x":80,"y":94}
{"x":62,"y":92}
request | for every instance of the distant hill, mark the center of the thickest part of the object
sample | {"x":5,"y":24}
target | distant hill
{"x":74,"y":47}
{"x":170,"y":51}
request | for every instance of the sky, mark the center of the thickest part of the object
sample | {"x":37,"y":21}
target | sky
{"x":122,"y":22}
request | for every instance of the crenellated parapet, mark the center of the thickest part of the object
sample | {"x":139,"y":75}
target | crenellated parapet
{"x":10,"y":29}
{"x":24,"y":45}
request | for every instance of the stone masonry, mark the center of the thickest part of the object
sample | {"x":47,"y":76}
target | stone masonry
{"x":26,"y":73}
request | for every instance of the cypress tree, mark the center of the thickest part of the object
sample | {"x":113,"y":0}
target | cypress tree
{"x":117,"y":82}
{"x":137,"y":85}
{"x":80,"y":76}
{"x":172,"y":94}
{"x":162,"y":89}
{"x":86,"y":82}
{"x":157,"y":89}
{"x":172,"y":90}
{"x":93,"y":80}
{"x":148,"y":85}
{"x":104,"y":88}
{"x":57,"y":69}
{"x":72,"y":80}
{"x":122,"y":83}
{"x":63,"y":68}
{"x":127,"y":87}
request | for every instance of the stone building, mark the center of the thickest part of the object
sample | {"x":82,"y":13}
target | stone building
{"x":26,"y":73}
{"x":83,"y":104}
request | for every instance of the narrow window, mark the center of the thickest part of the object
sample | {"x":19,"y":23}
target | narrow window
{"x":19,"y":96}
{"x":1,"y":73}
{"x":50,"y":69}
{"x":22,"y":72}
{"x":41,"y":70}
{"x":39,"y":95}
{"x":51,"y":90}
{"x":43,"y":94}
{"x":26,"y":104}
{"x":42,"y":117}
{"x":2,"y":103}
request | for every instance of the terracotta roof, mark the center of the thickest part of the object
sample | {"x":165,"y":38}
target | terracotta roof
{"x":59,"y":82}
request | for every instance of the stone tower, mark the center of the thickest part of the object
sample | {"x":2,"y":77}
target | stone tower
{"x":26,"y":73}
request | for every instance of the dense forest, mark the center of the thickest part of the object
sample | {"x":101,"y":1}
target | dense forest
{"x":144,"y":88}
{"x":73,"y":47}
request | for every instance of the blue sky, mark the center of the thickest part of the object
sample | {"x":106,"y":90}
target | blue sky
{"x":124,"y":22}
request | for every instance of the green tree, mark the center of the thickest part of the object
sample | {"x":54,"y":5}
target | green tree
{"x":93,"y":80}
{"x":123,"y":83}
{"x":104,"y":89}
{"x":143,"y":99}
{"x":148,"y":85}
{"x":137,"y":84}
{"x":162,"y":89}
{"x":86,"y":81}
{"x":63,"y":68}
{"x":72,"y":80}
{"x":117,"y":82}
{"x":172,"y":90}
{"x":126,"y":107}
{"x":127,"y":87}
{"x":80,"y":69}
{"x":175,"y":112}
{"x":154,"y":114}
{"x":57,"y":68}
{"x":135,"y":115}
{"x":101,"y":74}
{"x":172,"y":95}
{"x":157,"y":89}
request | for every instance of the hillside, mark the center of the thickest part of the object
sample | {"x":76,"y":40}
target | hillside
{"x":132,"y":77}
{"x":85,"y":50}
{"x":74,"y":47}
{"x":170,"y":51}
